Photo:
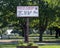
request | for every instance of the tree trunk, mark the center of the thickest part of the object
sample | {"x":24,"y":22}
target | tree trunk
{"x":51,"y":32}
{"x":41,"y":30}
{"x":41,"y":36}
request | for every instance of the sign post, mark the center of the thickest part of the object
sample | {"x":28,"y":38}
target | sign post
{"x":27,"y":30}
{"x":27,"y":11}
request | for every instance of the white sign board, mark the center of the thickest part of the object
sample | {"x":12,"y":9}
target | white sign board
{"x":27,"y":11}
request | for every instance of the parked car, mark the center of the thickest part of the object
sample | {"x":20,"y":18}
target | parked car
{"x":10,"y":36}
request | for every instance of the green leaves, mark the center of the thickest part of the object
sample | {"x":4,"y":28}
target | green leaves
{"x":48,"y":10}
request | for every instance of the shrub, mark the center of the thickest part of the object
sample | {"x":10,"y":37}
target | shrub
{"x":21,"y":43}
{"x":31,"y":44}
{"x":34,"y":35}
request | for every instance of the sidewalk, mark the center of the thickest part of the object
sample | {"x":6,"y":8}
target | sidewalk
{"x":48,"y":43}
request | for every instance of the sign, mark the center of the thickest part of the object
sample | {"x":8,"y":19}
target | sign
{"x":27,"y":11}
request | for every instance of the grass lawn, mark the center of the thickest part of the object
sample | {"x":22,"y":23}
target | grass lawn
{"x":50,"y":46}
{"x":7,"y":46}
{"x":44,"y":46}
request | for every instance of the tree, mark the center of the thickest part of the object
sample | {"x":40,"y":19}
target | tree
{"x":48,"y":14}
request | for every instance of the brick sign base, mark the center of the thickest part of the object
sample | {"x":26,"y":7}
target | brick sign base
{"x":27,"y":46}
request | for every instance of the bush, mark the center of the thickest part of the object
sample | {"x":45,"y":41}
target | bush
{"x":31,"y":44}
{"x":21,"y":43}
{"x":34,"y":35}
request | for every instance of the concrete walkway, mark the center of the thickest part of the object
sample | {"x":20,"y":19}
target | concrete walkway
{"x":48,"y":43}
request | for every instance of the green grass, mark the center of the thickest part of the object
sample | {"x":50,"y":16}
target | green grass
{"x":7,"y":46}
{"x":44,"y":46}
{"x":50,"y":46}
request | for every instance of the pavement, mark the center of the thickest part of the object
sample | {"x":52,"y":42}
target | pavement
{"x":48,"y":43}
{"x":8,"y":41}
